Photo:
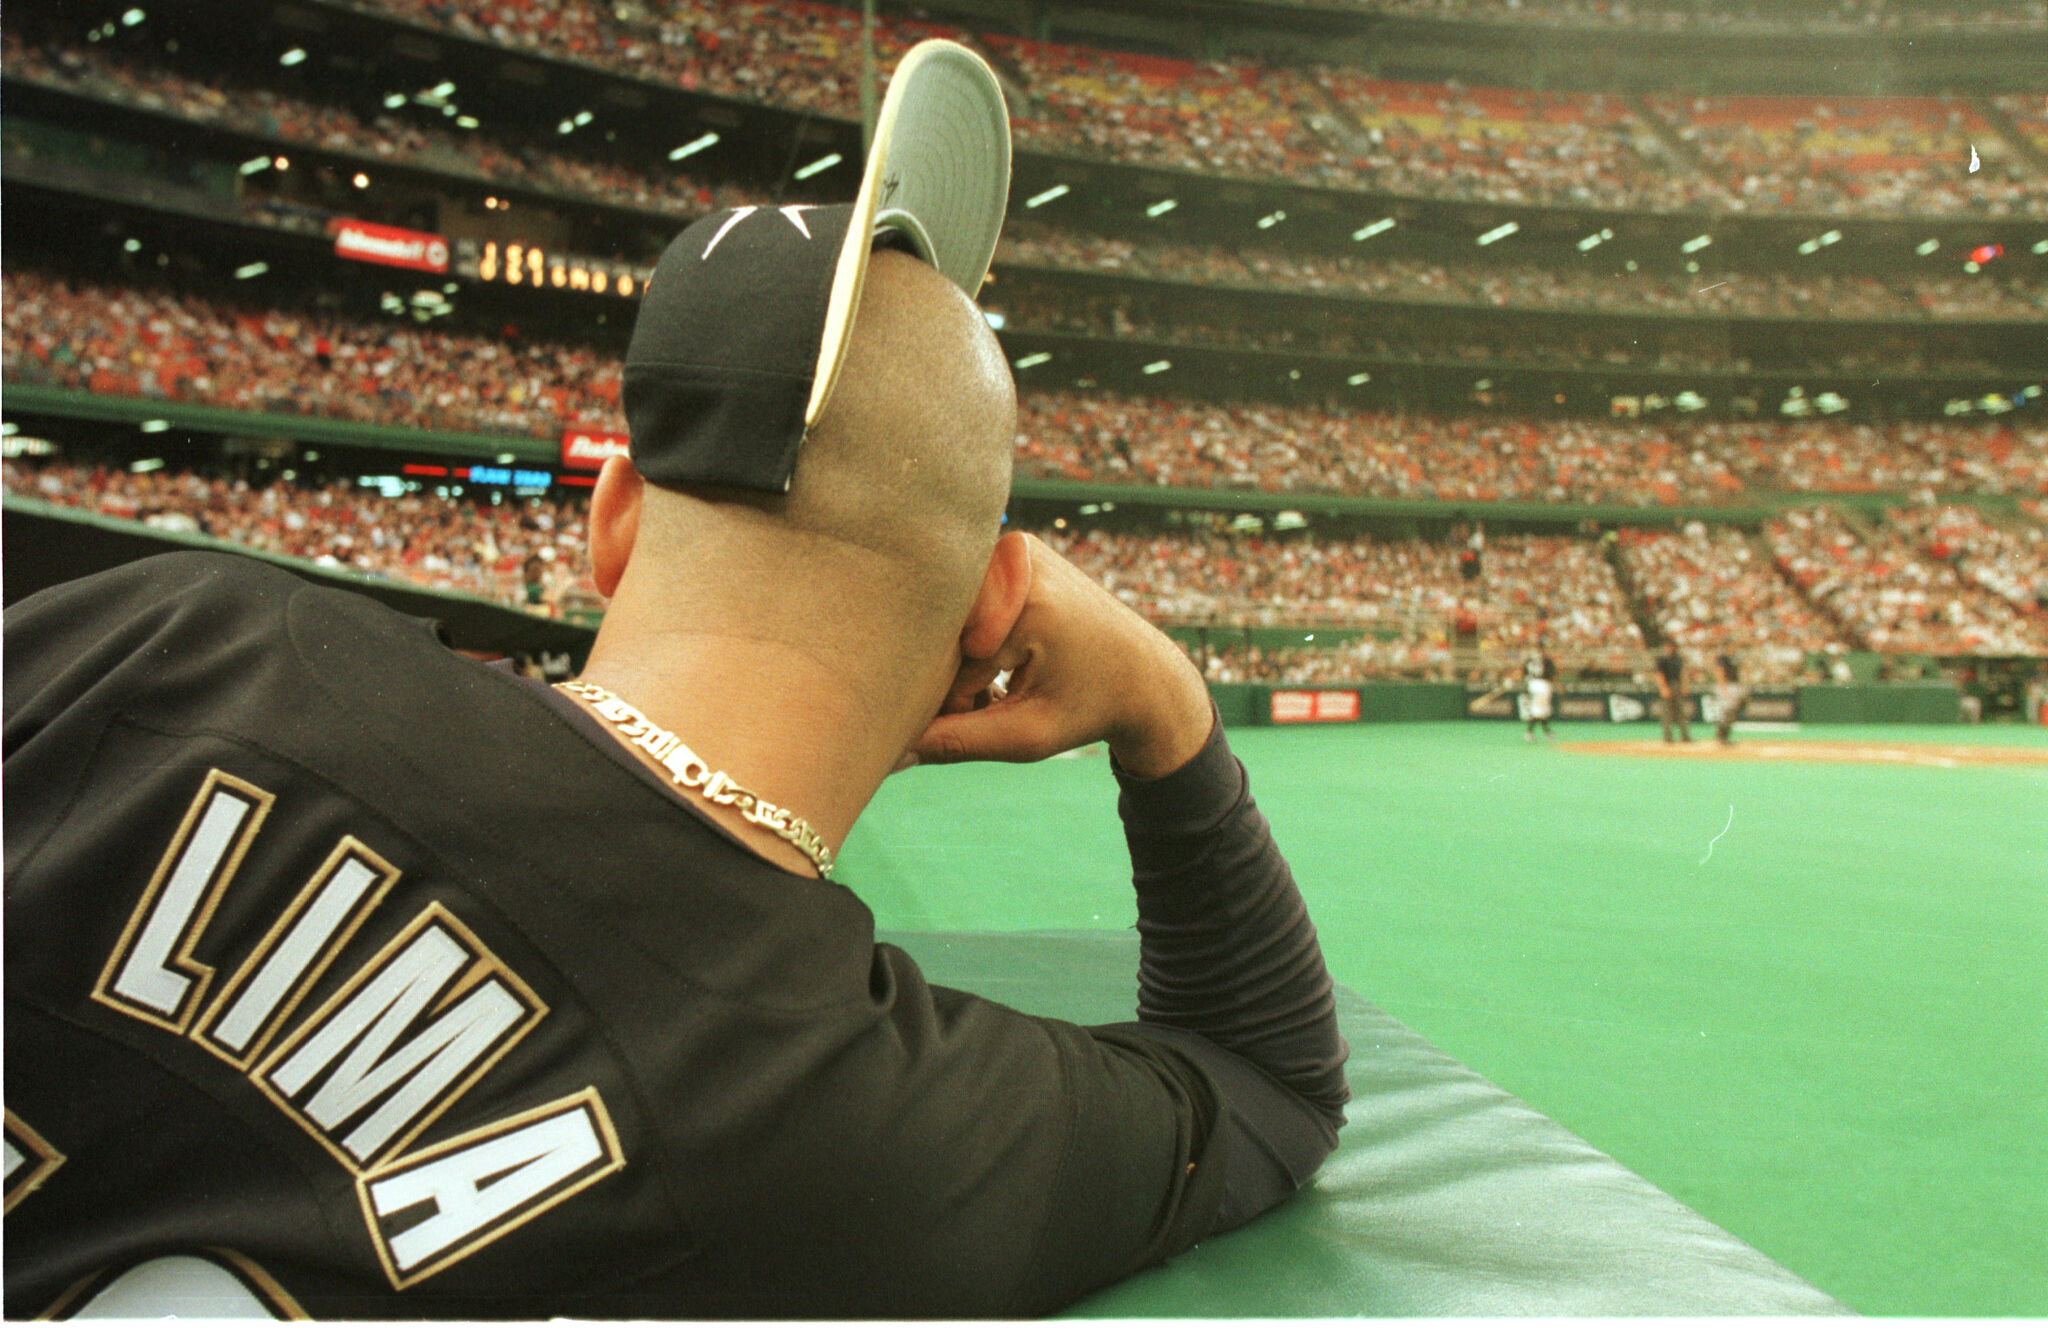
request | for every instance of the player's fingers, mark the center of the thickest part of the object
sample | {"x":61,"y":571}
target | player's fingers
{"x":1013,"y":731}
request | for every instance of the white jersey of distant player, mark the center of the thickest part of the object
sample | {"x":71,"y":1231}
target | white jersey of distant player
{"x":1538,"y":689}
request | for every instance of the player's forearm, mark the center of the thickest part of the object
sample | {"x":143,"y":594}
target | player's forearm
{"x":1228,"y":950}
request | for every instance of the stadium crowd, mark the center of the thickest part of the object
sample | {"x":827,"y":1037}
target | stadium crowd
{"x":1936,"y":579}
{"x":1894,"y":594}
{"x":1708,"y":589}
{"x":1584,"y":285}
{"x":496,"y":163}
{"x":1315,"y":124}
{"x":1757,"y":16}
{"x":525,"y":551}
{"x":492,"y":163}
{"x":1407,"y":333}
{"x":132,"y":341}
{"x":147,"y":343}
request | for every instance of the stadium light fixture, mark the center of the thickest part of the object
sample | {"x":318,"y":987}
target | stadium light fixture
{"x":1155,"y":367}
{"x":1807,"y":247}
{"x":361,"y":180}
{"x":1372,"y":229}
{"x":1500,"y":233}
{"x":995,"y":319}
{"x":1273,"y":218}
{"x":1362,"y":377}
{"x":810,"y":169}
{"x":1588,"y":242}
{"x":1972,"y":266}
{"x":281,"y":163}
{"x":133,"y":17}
{"x":295,"y":56}
{"x":255,"y":270}
{"x":393,"y":101}
{"x":445,"y":88}
{"x":505,"y":460}
{"x":1162,"y":208}
{"x":581,"y":118}
{"x":1830,"y":237}
{"x":254,"y":165}
{"x":1696,"y":244}
{"x":696,"y":145}
{"x":1928,"y":246}
{"x":448,"y":110}
{"x":149,"y":464}
{"x":154,"y":426}
{"x":1044,"y":197}
{"x":1035,"y":359}
{"x":566,"y":127}
{"x":132,"y":245}
{"x":2041,"y":247}
{"x":466,"y":122}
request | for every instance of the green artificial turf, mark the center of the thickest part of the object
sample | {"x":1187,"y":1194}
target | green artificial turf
{"x":1810,"y":1000}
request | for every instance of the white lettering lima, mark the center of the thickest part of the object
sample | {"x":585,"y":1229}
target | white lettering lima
{"x":399,"y":992}
{"x":331,"y":906}
{"x":363,"y":1032}
{"x":454,"y":1043}
{"x":538,"y":1156}
{"x":147,"y":977}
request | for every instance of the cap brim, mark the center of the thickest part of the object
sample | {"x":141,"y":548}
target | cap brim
{"x":938,"y":173}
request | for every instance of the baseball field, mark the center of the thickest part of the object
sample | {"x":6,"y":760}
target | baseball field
{"x":1804,"y":991}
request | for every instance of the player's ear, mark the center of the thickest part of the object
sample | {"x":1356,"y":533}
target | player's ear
{"x":614,"y":522}
{"x":1001,"y":600}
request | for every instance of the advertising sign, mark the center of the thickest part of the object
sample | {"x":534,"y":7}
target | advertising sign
{"x":585,"y":450}
{"x":1315,"y":705}
{"x":374,"y":243}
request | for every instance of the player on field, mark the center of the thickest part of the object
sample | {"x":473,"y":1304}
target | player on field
{"x":1539,"y":691}
{"x":1671,"y":682}
{"x":364,"y":980}
{"x":1729,"y":694}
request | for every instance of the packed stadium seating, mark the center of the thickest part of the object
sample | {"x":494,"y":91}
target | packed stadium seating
{"x":1529,"y":285}
{"x":1894,"y":595}
{"x":454,"y":543}
{"x":1245,"y":119}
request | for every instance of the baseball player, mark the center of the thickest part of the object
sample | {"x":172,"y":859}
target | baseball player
{"x":1729,"y":694}
{"x":1539,"y":690}
{"x":348,"y":977}
{"x":1671,"y":684}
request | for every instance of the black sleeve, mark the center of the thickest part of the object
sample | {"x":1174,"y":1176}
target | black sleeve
{"x":1230,"y":973}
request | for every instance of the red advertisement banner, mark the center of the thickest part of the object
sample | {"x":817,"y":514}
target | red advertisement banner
{"x":374,"y":243}
{"x":586,"y":450}
{"x":1315,"y":705}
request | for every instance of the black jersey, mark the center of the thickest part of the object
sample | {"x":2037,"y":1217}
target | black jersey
{"x":393,"y":978}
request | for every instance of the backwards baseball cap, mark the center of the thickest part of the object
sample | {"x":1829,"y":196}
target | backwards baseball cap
{"x":746,"y":321}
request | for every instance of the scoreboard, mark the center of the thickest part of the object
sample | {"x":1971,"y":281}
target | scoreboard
{"x":520,"y":264}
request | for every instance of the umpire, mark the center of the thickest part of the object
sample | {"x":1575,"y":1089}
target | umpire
{"x":347,"y":977}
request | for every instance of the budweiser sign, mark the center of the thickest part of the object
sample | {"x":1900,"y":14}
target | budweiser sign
{"x":374,"y":243}
{"x":586,"y":450}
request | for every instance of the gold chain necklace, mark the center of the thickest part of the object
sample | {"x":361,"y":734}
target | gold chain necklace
{"x":686,"y":770}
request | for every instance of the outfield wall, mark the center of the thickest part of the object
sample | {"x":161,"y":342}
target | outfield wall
{"x":1254,"y":705}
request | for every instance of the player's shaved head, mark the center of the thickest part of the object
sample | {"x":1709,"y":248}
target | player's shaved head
{"x":899,"y":488}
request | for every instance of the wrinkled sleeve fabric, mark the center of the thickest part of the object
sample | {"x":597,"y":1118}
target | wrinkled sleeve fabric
{"x":1231,"y":975}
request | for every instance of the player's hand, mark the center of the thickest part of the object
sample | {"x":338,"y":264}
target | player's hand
{"x":1082,"y":667}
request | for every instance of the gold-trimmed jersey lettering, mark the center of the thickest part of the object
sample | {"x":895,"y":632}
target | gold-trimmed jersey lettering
{"x":420,"y":1023}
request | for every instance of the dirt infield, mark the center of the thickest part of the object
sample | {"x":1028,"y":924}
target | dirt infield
{"x":1829,"y":752}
